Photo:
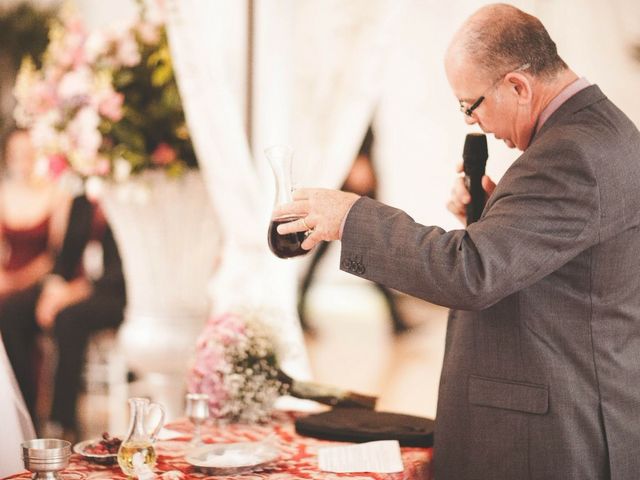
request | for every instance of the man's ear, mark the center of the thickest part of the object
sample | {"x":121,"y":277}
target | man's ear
{"x":521,"y":86}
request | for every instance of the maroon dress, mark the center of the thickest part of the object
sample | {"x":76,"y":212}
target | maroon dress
{"x":25,"y":244}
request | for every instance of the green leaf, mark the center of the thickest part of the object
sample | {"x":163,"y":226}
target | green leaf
{"x":161,"y":75}
{"x":176,"y":169}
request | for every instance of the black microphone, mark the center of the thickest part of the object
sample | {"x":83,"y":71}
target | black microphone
{"x":475,"y":160}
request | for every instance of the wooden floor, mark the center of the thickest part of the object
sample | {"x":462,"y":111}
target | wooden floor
{"x":353,"y":347}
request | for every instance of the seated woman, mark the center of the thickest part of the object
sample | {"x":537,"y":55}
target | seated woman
{"x":33,"y":216}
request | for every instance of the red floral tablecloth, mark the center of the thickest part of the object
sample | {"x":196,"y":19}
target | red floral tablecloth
{"x":298,"y":458}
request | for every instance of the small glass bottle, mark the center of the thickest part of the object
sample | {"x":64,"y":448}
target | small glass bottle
{"x":290,"y":244}
{"x":137,"y":452}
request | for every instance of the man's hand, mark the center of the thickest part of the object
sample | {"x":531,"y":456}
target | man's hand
{"x":460,"y":197}
{"x":319,"y":211}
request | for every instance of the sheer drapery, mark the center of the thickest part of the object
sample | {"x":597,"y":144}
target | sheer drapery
{"x":341,"y":53}
{"x":16,"y":422}
{"x":318,"y":73}
{"x":249,"y":275}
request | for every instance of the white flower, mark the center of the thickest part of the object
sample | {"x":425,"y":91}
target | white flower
{"x":96,"y":45}
{"x":127,"y":51}
{"x":121,"y":170}
{"x":43,"y":134}
{"x":94,"y":187}
{"x":81,"y":163}
{"x":71,"y":183}
{"x":84,"y":133}
{"x":76,"y":83}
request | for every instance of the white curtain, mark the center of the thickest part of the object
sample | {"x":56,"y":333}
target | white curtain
{"x":16,"y":423}
{"x":318,"y":72}
{"x":202,"y":37}
{"x":337,"y":53}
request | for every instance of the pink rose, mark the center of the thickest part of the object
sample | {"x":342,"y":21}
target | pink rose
{"x":163,"y":155}
{"x":57,"y":165}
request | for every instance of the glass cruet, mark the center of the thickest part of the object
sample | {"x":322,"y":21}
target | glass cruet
{"x":137,"y":453}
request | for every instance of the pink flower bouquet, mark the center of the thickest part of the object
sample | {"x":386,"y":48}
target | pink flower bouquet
{"x":236,"y":364}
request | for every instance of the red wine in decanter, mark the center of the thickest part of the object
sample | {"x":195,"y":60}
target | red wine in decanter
{"x":288,"y":245}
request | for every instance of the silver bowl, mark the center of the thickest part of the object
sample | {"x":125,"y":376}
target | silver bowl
{"x":45,"y":457}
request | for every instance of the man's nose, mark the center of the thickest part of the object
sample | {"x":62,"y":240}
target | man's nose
{"x":470,"y":119}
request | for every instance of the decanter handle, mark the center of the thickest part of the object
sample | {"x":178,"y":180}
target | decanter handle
{"x":160,"y":424}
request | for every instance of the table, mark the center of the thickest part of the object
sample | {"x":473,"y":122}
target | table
{"x":298,"y":459}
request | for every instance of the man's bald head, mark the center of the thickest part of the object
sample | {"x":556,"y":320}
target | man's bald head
{"x":499,"y":37}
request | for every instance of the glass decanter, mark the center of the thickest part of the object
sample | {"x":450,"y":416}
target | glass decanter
{"x":137,"y":452}
{"x":290,"y":244}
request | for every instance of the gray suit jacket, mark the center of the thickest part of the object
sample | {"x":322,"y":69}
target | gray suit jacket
{"x":541,"y":376}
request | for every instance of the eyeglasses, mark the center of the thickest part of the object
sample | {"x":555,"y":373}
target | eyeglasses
{"x":468,"y":111}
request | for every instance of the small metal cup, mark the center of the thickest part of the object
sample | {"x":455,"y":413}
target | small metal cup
{"x":45,"y":457}
{"x":198,"y":411}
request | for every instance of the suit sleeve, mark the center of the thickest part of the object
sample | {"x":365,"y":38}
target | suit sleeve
{"x":75,"y":239}
{"x":112,"y":279}
{"x":544,"y":212}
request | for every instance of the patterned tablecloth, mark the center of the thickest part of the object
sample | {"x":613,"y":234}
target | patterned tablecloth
{"x":298,"y":458}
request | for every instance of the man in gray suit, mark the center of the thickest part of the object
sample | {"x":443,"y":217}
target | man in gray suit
{"x":541,"y":376}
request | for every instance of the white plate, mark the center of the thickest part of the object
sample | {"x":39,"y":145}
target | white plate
{"x":232,"y":458}
{"x":104,"y":459}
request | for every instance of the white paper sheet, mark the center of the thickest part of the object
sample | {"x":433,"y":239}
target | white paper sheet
{"x":379,"y":457}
